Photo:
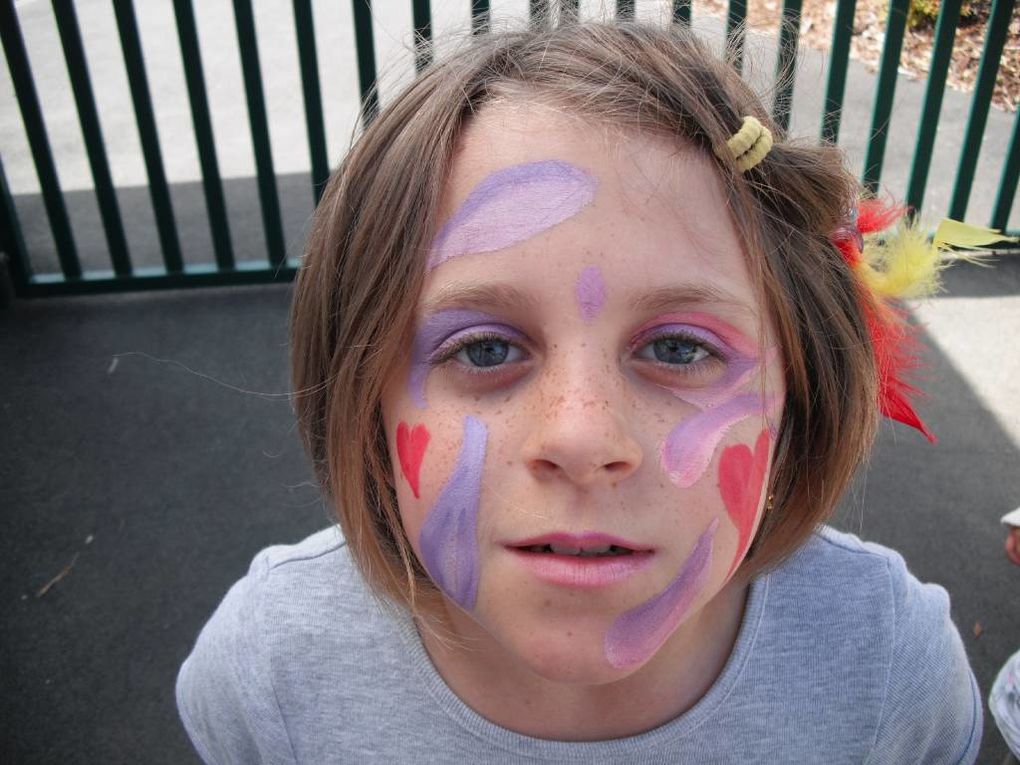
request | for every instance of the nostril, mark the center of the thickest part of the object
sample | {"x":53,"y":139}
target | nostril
{"x":617,"y":467}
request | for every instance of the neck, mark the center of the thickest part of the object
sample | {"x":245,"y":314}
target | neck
{"x":499,"y":687}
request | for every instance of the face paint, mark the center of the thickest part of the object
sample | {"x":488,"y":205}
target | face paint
{"x":741,"y":477}
{"x":512,"y":205}
{"x":688,"y":449}
{"x":591,"y":293}
{"x":411,"y":443}
{"x":739,"y":353}
{"x":636,"y":635}
{"x":437,"y":331}
{"x":449,"y":545}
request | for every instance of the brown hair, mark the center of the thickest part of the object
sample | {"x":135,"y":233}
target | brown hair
{"x":353,"y":303}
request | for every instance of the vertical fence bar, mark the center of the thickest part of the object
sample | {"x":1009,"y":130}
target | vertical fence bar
{"x":215,"y":205}
{"x":35,"y":130}
{"x":134,"y":63}
{"x":11,"y":240}
{"x":894,"y":28}
{"x":422,"y":20}
{"x":786,"y":63}
{"x":945,"y":30}
{"x":363,"y":43}
{"x":625,"y":10}
{"x":268,"y":197}
{"x":304,"y":23}
{"x":538,"y":13}
{"x":88,"y":117}
{"x":480,"y":16}
{"x":839,"y":60}
{"x":736,"y":15}
{"x":682,"y":12}
{"x":1010,"y":176}
{"x":570,"y":10}
{"x":995,"y":40}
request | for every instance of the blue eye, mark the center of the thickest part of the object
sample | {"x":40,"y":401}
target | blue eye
{"x":675,"y":350}
{"x":486,"y":352}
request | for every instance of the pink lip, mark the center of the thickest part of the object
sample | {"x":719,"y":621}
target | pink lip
{"x":576,"y":571}
{"x":581,"y":573}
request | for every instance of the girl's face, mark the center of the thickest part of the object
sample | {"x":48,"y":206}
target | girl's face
{"x":582,"y":434}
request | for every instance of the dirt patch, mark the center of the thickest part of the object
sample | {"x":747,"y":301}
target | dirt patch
{"x":869,"y":35}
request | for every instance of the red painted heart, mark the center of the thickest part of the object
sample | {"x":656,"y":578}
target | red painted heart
{"x":741,"y":475}
{"x":411,"y":443}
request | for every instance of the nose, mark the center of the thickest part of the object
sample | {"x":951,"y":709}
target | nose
{"x":581,"y":433}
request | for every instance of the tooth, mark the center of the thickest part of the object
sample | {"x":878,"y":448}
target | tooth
{"x":565,"y":549}
{"x":597,"y":550}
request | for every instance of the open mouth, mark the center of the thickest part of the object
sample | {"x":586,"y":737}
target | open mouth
{"x":575,"y":562}
{"x":599,"y":551}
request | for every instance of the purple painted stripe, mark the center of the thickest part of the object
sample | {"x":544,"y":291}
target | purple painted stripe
{"x":449,"y":543}
{"x":512,"y":205}
{"x":688,"y":449}
{"x":636,"y":635}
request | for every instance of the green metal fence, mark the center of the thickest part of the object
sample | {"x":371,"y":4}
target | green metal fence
{"x":222,"y":266}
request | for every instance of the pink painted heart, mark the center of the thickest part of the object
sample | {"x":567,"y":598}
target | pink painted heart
{"x":411,"y":443}
{"x":741,"y":475}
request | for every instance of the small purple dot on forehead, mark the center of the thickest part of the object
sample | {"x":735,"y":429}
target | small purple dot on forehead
{"x":591,"y":293}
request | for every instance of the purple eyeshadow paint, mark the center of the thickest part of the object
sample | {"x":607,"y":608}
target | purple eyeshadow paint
{"x":512,"y":205}
{"x":435,"y":330}
{"x":591,"y":293}
{"x":689,"y":447}
{"x":449,"y":544}
{"x":636,"y":635}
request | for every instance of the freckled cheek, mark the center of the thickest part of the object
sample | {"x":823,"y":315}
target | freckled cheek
{"x":423,"y":452}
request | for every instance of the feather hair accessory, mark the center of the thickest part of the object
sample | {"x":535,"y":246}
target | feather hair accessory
{"x":894,"y":266}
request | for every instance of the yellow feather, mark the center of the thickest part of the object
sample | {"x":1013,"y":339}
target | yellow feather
{"x":953,"y":233}
{"x":903,"y":264}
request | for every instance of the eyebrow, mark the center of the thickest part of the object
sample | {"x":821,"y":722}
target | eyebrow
{"x":494,"y":295}
{"x":666,"y":298}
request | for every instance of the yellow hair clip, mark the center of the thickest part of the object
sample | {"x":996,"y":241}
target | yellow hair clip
{"x":748,"y":146}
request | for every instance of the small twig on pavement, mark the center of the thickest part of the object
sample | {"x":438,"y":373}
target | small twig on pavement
{"x":63,"y":572}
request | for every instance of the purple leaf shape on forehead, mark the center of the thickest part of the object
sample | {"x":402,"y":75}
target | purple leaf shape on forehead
{"x":449,"y":545}
{"x":640,"y":632}
{"x":512,"y":205}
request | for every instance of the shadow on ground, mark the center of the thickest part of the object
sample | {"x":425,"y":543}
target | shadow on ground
{"x":131,"y":421}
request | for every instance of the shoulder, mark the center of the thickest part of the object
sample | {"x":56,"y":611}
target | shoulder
{"x":889,"y":642}
{"x":292,"y":610}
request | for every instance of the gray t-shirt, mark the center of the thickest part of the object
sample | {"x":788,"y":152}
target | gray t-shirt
{"x":842,"y":657}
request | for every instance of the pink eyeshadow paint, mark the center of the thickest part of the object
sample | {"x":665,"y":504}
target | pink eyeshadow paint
{"x":449,"y":544}
{"x":436,"y":331}
{"x":741,"y":477}
{"x":688,"y":449}
{"x":591,"y":293}
{"x":636,"y":635}
{"x":512,"y":205}
{"x":731,"y":336}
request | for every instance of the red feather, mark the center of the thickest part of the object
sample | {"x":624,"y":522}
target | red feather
{"x":895,"y":346}
{"x":893,"y":340}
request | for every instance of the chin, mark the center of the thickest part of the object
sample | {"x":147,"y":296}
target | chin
{"x":575,"y":656}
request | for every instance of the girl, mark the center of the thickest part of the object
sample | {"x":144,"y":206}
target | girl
{"x":583,"y":359}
